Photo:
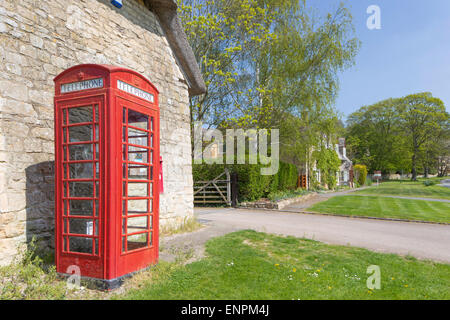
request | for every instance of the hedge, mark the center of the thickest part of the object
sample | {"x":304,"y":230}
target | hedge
{"x":360,"y":173}
{"x":252,"y":184}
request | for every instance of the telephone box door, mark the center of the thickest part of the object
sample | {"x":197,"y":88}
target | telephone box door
{"x":139,"y":170}
{"x":79,"y":220}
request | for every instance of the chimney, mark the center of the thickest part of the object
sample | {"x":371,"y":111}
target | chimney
{"x":342,"y":148}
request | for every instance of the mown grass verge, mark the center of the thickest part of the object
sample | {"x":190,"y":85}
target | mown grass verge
{"x":384,"y":207}
{"x":408,"y":189}
{"x":252,"y":265}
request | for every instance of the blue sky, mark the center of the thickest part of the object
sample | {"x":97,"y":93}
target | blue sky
{"x":410,"y":54}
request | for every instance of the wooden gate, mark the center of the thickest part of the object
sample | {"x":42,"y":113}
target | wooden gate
{"x":216,"y":191}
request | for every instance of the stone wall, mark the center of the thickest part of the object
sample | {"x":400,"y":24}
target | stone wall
{"x":38,"y":40}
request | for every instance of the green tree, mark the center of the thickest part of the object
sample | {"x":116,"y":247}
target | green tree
{"x":223,"y":35}
{"x":328,"y":162}
{"x":374,"y":137}
{"x":422,"y":117}
{"x":270,"y":64}
{"x":399,"y":134}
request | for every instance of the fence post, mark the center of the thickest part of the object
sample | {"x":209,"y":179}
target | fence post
{"x":227,"y":174}
{"x":234,"y":190}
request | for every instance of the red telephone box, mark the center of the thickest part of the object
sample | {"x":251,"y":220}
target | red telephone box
{"x":107,"y":167}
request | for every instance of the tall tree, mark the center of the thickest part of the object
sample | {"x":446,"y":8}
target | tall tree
{"x":223,"y":34}
{"x":422,"y":117}
{"x":399,"y":133}
{"x":270,"y":64}
{"x":374,"y":137}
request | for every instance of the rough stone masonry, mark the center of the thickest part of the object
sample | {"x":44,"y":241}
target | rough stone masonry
{"x":39,"y":39}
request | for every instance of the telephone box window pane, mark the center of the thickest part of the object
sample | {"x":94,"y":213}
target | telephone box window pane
{"x":137,"y":206}
{"x":97,"y":190}
{"x":124,"y":170}
{"x":64,"y":135}
{"x":97,"y":118}
{"x":137,"y":137}
{"x":97,"y":170}
{"x":81,"y":170}
{"x":81,"y":189}
{"x":81,"y":245}
{"x":136,"y":154}
{"x":97,"y":252}
{"x":151,"y":238}
{"x":137,"y":189}
{"x":96,"y":208}
{"x":81,"y":152}
{"x":97,"y":132}
{"x":97,"y":152}
{"x":80,"y":133}
{"x":137,"y":172}
{"x":137,"y":224}
{"x":137,"y":119}
{"x":81,"y":226}
{"x":151,"y":124}
{"x":81,"y":207}
{"x":137,"y":241}
{"x":80,"y":114}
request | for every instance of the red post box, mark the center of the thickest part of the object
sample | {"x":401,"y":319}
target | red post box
{"x":107,"y":167}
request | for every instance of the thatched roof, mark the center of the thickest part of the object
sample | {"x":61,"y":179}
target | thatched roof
{"x":166,"y":11}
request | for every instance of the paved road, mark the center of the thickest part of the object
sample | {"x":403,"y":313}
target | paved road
{"x":424,"y":241}
{"x":445,"y":183}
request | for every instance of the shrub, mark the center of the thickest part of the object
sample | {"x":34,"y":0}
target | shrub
{"x":360,"y":173}
{"x":331,"y":181}
{"x":328,"y":163}
{"x":429,"y":183}
{"x":287,"y":176}
{"x":29,"y":278}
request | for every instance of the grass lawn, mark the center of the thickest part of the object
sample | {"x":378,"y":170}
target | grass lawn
{"x":384,"y":207}
{"x":252,"y":265}
{"x":407,"y":188}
